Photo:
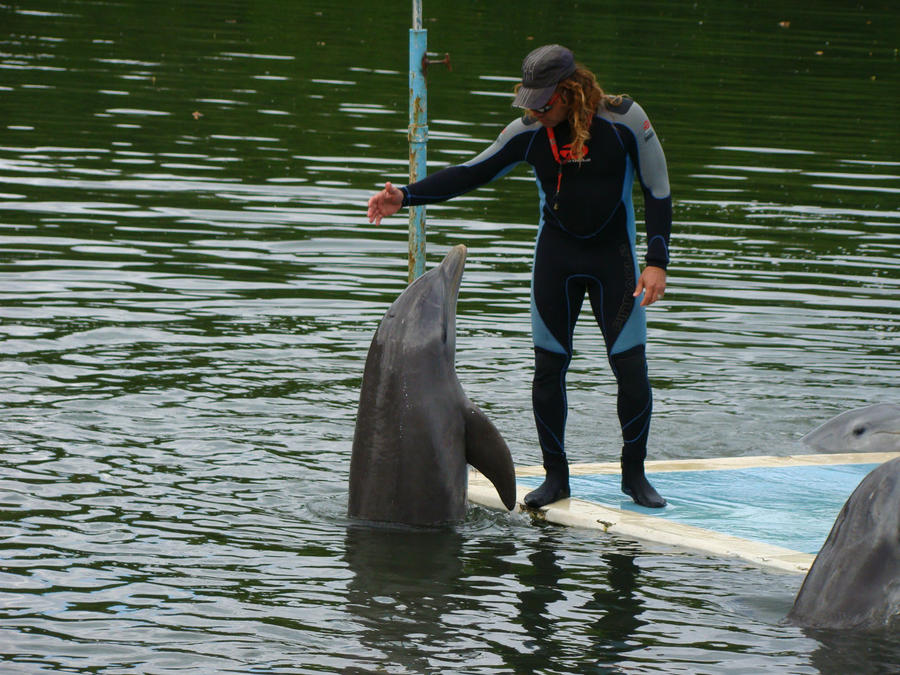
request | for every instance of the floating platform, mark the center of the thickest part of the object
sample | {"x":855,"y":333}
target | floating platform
{"x":772,"y":511}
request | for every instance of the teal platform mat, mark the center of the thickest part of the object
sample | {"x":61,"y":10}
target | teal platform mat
{"x":789,"y":506}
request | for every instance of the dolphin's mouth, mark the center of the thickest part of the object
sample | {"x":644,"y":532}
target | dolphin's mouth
{"x":453,"y":264}
{"x":452,"y":269}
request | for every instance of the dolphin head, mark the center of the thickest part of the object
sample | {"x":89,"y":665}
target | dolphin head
{"x":875,"y":428}
{"x":423,"y":318}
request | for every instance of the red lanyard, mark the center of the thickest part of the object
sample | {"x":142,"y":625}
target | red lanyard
{"x":553,"y":147}
{"x":555,"y":152}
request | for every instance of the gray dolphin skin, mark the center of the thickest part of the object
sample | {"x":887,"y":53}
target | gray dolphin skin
{"x":854,"y":582}
{"x":416,"y":430}
{"x":875,"y":428}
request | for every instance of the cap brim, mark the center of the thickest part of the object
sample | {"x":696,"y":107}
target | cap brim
{"x":532,"y":99}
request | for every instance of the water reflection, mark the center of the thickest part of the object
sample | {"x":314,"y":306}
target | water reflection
{"x":420,"y":595}
{"x":839,"y":652}
{"x":189,"y":288}
{"x":406,"y":582}
{"x":540,"y":581}
{"x":610,"y":612}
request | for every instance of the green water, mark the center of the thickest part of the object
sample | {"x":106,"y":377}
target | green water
{"x":188,"y":288}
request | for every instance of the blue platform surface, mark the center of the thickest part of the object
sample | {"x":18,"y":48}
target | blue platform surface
{"x":789,"y":506}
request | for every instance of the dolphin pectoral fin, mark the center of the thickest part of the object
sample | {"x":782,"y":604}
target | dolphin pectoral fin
{"x":487,"y":451}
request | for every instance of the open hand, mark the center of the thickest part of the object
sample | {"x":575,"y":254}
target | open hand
{"x":652,"y":283}
{"x":384,"y":203}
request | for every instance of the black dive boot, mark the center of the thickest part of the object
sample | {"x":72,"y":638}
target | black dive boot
{"x":636,"y":485}
{"x":554,"y":487}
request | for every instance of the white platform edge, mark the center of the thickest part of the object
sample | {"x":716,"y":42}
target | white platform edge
{"x":589,"y":515}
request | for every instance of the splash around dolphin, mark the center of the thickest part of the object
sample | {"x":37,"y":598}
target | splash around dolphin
{"x":416,"y":429}
{"x":854,"y":582}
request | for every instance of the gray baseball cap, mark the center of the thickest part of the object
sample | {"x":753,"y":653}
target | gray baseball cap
{"x":542,"y":70}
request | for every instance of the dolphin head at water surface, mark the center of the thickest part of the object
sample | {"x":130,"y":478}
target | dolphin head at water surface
{"x":416,"y":430}
{"x":854,"y":582}
{"x":874,"y":428}
{"x":421,"y":323}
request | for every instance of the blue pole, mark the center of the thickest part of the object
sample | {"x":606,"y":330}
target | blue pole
{"x":418,"y":137}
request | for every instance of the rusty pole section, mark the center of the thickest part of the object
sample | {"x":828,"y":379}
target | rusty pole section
{"x":418,"y":137}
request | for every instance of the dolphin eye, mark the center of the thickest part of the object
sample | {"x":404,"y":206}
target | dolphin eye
{"x":859,"y":431}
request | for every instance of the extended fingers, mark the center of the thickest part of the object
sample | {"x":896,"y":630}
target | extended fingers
{"x":652,"y":293}
{"x":650,"y":297}
{"x":378,"y":202}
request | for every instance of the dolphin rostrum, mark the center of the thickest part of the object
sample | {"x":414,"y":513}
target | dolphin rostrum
{"x":854,"y":582}
{"x":416,"y":430}
{"x":875,"y":428}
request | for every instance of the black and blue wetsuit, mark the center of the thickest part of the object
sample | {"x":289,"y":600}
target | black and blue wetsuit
{"x":585,"y":243}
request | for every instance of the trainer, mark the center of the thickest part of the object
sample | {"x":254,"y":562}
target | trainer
{"x":585,"y":148}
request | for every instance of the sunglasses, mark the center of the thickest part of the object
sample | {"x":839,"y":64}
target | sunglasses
{"x":549,"y":104}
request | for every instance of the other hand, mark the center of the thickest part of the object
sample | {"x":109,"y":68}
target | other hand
{"x":652,"y":283}
{"x":384,"y":203}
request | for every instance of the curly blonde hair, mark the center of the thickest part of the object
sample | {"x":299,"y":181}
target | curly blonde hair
{"x":584,"y":96}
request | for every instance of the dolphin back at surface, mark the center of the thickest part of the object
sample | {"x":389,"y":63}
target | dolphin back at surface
{"x":854,"y":582}
{"x":416,"y":430}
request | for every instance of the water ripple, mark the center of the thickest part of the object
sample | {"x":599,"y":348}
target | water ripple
{"x":189,"y":288}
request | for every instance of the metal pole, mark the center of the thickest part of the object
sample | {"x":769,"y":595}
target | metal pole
{"x":418,"y":137}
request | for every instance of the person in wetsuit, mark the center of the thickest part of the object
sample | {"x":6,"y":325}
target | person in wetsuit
{"x":585,"y":148}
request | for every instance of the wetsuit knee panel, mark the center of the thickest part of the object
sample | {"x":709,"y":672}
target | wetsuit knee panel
{"x":630,"y":364}
{"x":550,"y":366}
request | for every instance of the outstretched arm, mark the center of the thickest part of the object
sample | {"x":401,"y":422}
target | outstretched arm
{"x":509,"y":149}
{"x":384,"y":203}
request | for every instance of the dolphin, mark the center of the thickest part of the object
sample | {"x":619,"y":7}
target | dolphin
{"x":416,"y":430}
{"x":875,"y":428}
{"x":854,"y":582}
